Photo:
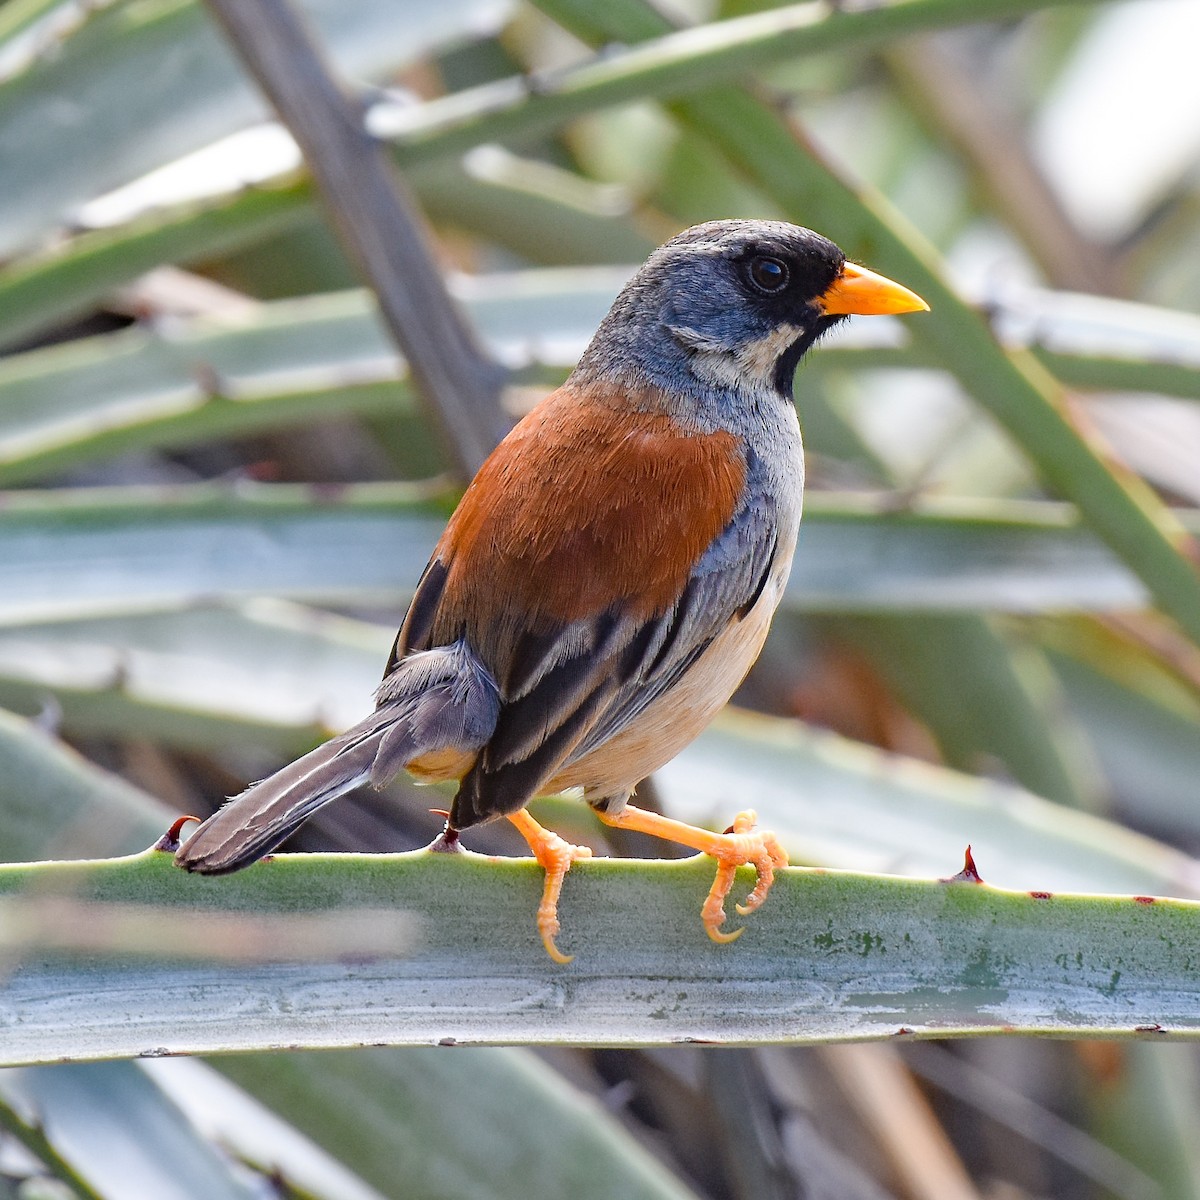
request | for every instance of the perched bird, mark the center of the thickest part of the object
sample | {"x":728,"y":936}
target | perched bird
{"x":609,"y":576}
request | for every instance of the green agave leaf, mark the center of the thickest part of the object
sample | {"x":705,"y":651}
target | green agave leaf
{"x":544,"y":213}
{"x":1011,"y":533}
{"x":55,"y":803}
{"x":671,"y":63}
{"x":1146,"y":1118}
{"x":1149,"y":750}
{"x":226,"y":680}
{"x":830,"y":956}
{"x":531,"y":1135}
{"x":190,"y":92}
{"x":294,"y":361}
{"x":1109,"y":345}
{"x":71,"y":278}
{"x":841,"y":802}
{"x":20,"y":15}
{"x":267,"y":675}
{"x":985,"y":696}
{"x":121,"y":550}
{"x":229,"y":1117}
{"x":67,"y":280}
{"x":142,"y":551}
{"x":120,"y":1132}
{"x":540,"y":212}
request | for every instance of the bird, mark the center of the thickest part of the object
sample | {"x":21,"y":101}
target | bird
{"x":609,"y":575}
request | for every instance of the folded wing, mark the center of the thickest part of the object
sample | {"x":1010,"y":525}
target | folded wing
{"x":587,"y":612}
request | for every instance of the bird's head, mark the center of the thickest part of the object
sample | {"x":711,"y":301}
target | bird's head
{"x":735,"y":304}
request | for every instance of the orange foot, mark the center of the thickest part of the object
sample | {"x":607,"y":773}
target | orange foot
{"x":743,"y":844}
{"x":555,"y":856}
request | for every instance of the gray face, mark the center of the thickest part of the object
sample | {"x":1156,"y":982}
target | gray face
{"x":724,"y":304}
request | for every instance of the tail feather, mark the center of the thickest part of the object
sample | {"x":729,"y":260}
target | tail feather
{"x":256,"y":821}
{"x":437,"y":699}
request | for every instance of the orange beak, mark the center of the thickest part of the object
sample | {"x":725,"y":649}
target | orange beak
{"x":862,"y":293}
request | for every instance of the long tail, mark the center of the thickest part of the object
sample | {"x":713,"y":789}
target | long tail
{"x":438,"y":699}
{"x":256,"y":821}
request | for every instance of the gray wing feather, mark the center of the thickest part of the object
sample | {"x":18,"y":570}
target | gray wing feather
{"x":433,"y":700}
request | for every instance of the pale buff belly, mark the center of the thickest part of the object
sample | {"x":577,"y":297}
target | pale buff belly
{"x":611,"y":771}
{"x":438,"y":766}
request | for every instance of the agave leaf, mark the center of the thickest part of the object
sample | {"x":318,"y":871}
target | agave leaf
{"x":228,"y":681}
{"x":190,"y":92}
{"x":830,"y":956}
{"x":379,"y":1107}
{"x":92,"y":552}
{"x":120,"y":1133}
{"x":842,"y":802}
{"x":56,"y":803}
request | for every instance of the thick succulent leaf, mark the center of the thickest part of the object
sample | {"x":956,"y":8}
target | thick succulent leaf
{"x":18,"y":17}
{"x":673,"y":62}
{"x":108,"y":551}
{"x":253,"y":1133}
{"x":1148,"y":747}
{"x":268,"y":675}
{"x":56,"y":804}
{"x":73,"y":553}
{"x":830,"y":956}
{"x":1110,"y":345}
{"x":68,"y":280}
{"x":124,"y":1137}
{"x":846,"y":803}
{"x":271,"y":680}
{"x":863,"y":554}
{"x":480,"y":1122}
{"x":190,"y":91}
{"x":290,"y":362}
{"x":543,"y":213}
{"x":986,"y":697}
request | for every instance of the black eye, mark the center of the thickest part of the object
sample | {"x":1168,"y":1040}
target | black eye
{"x":769,"y":274}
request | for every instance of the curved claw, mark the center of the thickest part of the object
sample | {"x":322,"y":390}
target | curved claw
{"x":721,"y":936}
{"x":548,"y":936}
{"x":713,"y":912}
{"x":743,"y":844}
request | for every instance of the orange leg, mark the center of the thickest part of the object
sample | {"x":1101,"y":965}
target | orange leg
{"x":555,"y":855}
{"x":744,"y":844}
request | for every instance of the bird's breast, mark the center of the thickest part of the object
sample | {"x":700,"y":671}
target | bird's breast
{"x":588,"y":505}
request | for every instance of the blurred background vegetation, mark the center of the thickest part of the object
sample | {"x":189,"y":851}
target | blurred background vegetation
{"x":221,"y":487}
